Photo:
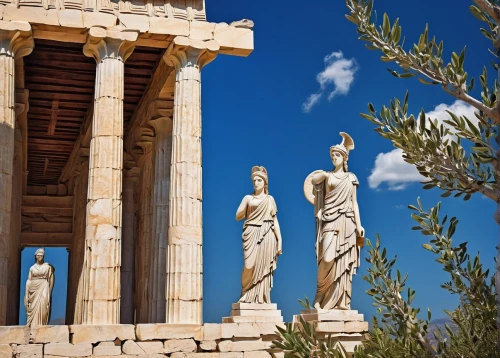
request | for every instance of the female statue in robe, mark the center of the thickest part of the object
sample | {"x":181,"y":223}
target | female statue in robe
{"x":338,"y":226}
{"x":38,"y":290}
{"x":261,"y":240}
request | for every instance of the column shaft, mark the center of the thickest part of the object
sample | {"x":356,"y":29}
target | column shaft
{"x":104,"y":206}
{"x":128,"y":237}
{"x":76,"y":276}
{"x":144,"y":234}
{"x":15,"y":42}
{"x":184,"y":251}
{"x":162,"y":158}
{"x":15,"y":234}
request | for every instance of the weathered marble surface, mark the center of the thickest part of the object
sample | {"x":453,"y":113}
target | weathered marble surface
{"x":101,"y":294}
{"x":185,"y":239}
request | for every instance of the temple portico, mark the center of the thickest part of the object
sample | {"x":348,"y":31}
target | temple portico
{"x":100,"y":150}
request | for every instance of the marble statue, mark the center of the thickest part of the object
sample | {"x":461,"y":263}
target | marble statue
{"x":338,"y":228}
{"x":38,"y":291}
{"x":261,"y":240}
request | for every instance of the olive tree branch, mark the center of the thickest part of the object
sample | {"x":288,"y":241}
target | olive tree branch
{"x":489,"y":8}
{"x":425,"y":60}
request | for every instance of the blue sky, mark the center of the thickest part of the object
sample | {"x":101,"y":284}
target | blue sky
{"x":253,"y":114}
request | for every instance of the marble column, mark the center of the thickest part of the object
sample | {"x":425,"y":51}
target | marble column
{"x":128,"y":244}
{"x":161,"y":189}
{"x":184,"y":251}
{"x":101,"y":296}
{"x":76,"y":277}
{"x":144,"y":222}
{"x":15,"y":42}
{"x":15,"y":230}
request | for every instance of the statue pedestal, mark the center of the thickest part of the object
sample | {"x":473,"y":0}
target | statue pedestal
{"x":254,"y":312}
{"x":346,"y":326}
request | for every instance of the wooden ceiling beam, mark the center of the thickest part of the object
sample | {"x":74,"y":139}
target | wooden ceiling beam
{"x":53,"y":118}
{"x":46,"y":239}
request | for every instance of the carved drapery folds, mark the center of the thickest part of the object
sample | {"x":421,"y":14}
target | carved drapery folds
{"x":184,"y":250}
{"x":102,"y":258}
{"x":15,"y":42}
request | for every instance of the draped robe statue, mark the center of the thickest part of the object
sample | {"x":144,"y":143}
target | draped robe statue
{"x":38,"y":291}
{"x":338,"y":228}
{"x":261,"y":241}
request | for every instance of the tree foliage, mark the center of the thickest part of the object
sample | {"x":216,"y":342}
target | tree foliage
{"x":301,"y":340}
{"x":400,"y":331}
{"x":437,"y":150}
{"x":397,"y":329}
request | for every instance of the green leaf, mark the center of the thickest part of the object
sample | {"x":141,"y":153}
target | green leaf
{"x":428,"y":247}
{"x":477,"y":13}
{"x":428,"y":82}
{"x":386,"y":26}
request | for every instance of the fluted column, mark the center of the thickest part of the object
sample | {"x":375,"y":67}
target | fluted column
{"x":128,"y":238}
{"x":144,"y":222}
{"x":184,"y":251}
{"x":110,"y":49}
{"x":162,"y":158}
{"x":15,"y":42}
{"x":76,"y":282}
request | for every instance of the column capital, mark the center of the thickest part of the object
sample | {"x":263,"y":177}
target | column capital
{"x":161,"y":125}
{"x":102,"y":43}
{"x":159,"y":108}
{"x":16,"y":38}
{"x":185,"y":52}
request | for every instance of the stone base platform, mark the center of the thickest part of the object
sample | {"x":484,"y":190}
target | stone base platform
{"x":211,"y":340}
{"x":253,"y":313}
{"x":347,"y":326}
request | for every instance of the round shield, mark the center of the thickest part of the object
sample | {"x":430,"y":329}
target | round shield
{"x":309,"y":187}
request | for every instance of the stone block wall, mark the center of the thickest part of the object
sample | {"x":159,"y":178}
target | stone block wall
{"x":226,"y":340}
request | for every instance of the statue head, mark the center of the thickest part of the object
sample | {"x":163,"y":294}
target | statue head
{"x":259,"y":178}
{"x":39,"y":255}
{"x":339,"y":153}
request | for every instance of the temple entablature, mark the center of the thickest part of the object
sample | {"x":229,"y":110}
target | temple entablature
{"x":157,"y":22}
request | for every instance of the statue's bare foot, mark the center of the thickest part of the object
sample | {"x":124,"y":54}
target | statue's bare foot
{"x":317,"y":306}
{"x":342,"y":307}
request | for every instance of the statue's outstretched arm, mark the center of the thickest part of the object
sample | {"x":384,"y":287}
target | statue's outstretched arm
{"x":242,"y":209}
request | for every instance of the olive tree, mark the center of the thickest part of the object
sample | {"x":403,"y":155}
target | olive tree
{"x":461,"y":156}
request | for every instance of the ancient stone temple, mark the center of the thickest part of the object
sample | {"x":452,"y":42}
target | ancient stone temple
{"x":100,"y":151}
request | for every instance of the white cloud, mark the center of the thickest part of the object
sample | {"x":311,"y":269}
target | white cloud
{"x":311,"y":101}
{"x":393,"y":170}
{"x":390,"y":167}
{"x":338,"y":72}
